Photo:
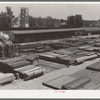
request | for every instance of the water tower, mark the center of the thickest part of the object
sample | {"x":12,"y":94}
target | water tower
{"x":24,"y":17}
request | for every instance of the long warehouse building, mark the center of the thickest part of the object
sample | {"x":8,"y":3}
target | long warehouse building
{"x":48,"y":34}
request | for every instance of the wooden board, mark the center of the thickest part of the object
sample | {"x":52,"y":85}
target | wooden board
{"x":95,"y":67}
{"x":57,"y":82}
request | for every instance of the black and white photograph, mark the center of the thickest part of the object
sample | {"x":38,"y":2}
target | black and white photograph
{"x":50,"y":46}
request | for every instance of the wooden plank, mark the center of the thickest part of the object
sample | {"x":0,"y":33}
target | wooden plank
{"x":51,"y":64}
{"x":6,"y":78}
{"x":95,"y":67}
{"x":58,"y":82}
{"x":25,"y":68}
{"x":90,"y":86}
{"x":61,"y":83}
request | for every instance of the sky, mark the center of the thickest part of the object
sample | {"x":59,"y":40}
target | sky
{"x":56,"y":10}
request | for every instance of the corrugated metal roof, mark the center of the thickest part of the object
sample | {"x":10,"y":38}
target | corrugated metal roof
{"x":89,"y":29}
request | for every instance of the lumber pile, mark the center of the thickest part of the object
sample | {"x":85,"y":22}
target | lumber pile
{"x":91,"y":74}
{"x":42,"y":49}
{"x":57,"y":58}
{"x":85,"y":58}
{"x":63,"y":52}
{"x":29,"y":71}
{"x":51,"y":65}
{"x":77,"y":83}
{"x":97,"y":40}
{"x":83,"y":47}
{"x":90,"y":49}
{"x":58,"y":81}
{"x":36,"y":47}
{"x":6,"y":78}
{"x":8,"y":65}
{"x":95,"y":67}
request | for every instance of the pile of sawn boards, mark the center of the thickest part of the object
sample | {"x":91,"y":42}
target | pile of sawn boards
{"x":14,"y":65}
{"x":30,"y":71}
{"x":6,"y":78}
{"x":67,"y":57}
{"x":53,"y":57}
{"x":86,"y":79}
{"x":35,"y":47}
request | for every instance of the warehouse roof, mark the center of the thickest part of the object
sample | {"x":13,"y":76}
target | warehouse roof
{"x":88,"y":29}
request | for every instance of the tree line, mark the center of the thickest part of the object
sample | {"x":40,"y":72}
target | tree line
{"x":8,"y":19}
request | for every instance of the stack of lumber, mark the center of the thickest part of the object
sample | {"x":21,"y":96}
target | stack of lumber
{"x":91,"y":74}
{"x":72,"y":49}
{"x":67,"y":60}
{"x":90,"y":42}
{"x":97,"y":44}
{"x":59,"y":45}
{"x":6,"y":78}
{"x":29,"y":71}
{"x":83,"y":53}
{"x":90,"y":49}
{"x":56,"y":45}
{"x":80,"y":60}
{"x":36,"y":47}
{"x":58,"y":81}
{"x":97,"y":49}
{"x":42,"y":49}
{"x":8,"y":65}
{"x":83,"y":47}
{"x":85,"y":58}
{"x":97,"y":40}
{"x":29,"y":45}
{"x":75,"y":44}
{"x":63,"y":52}
{"x":47,"y":57}
{"x":95,"y":67}
{"x":51,"y":65}
{"x":9,"y":50}
{"x":76,"y":84}
{"x":57,"y":58}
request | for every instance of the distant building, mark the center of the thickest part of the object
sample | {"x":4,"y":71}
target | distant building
{"x":24,"y":17}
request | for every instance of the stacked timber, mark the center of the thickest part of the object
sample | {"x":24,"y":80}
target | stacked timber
{"x":85,"y":58}
{"x":8,"y":65}
{"x":97,"y":40}
{"x":91,"y":74}
{"x":58,"y":81}
{"x":6,"y":78}
{"x":56,"y":45}
{"x":47,"y":57}
{"x":80,"y":60}
{"x":76,"y":84}
{"x":59,"y":45}
{"x":67,"y":60}
{"x":36,"y":47}
{"x":9,"y":50}
{"x":57,"y":58}
{"x":83,"y":47}
{"x":90,"y":49}
{"x":29,"y":45}
{"x":63,"y":52}
{"x":42,"y":49}
{"x":29,"y":71}
{"x":97,"y":44}
{"x":95,"y":66}
{"x":51,"y":66}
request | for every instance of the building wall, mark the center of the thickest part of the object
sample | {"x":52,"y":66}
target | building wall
{"x":41,"y":36}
